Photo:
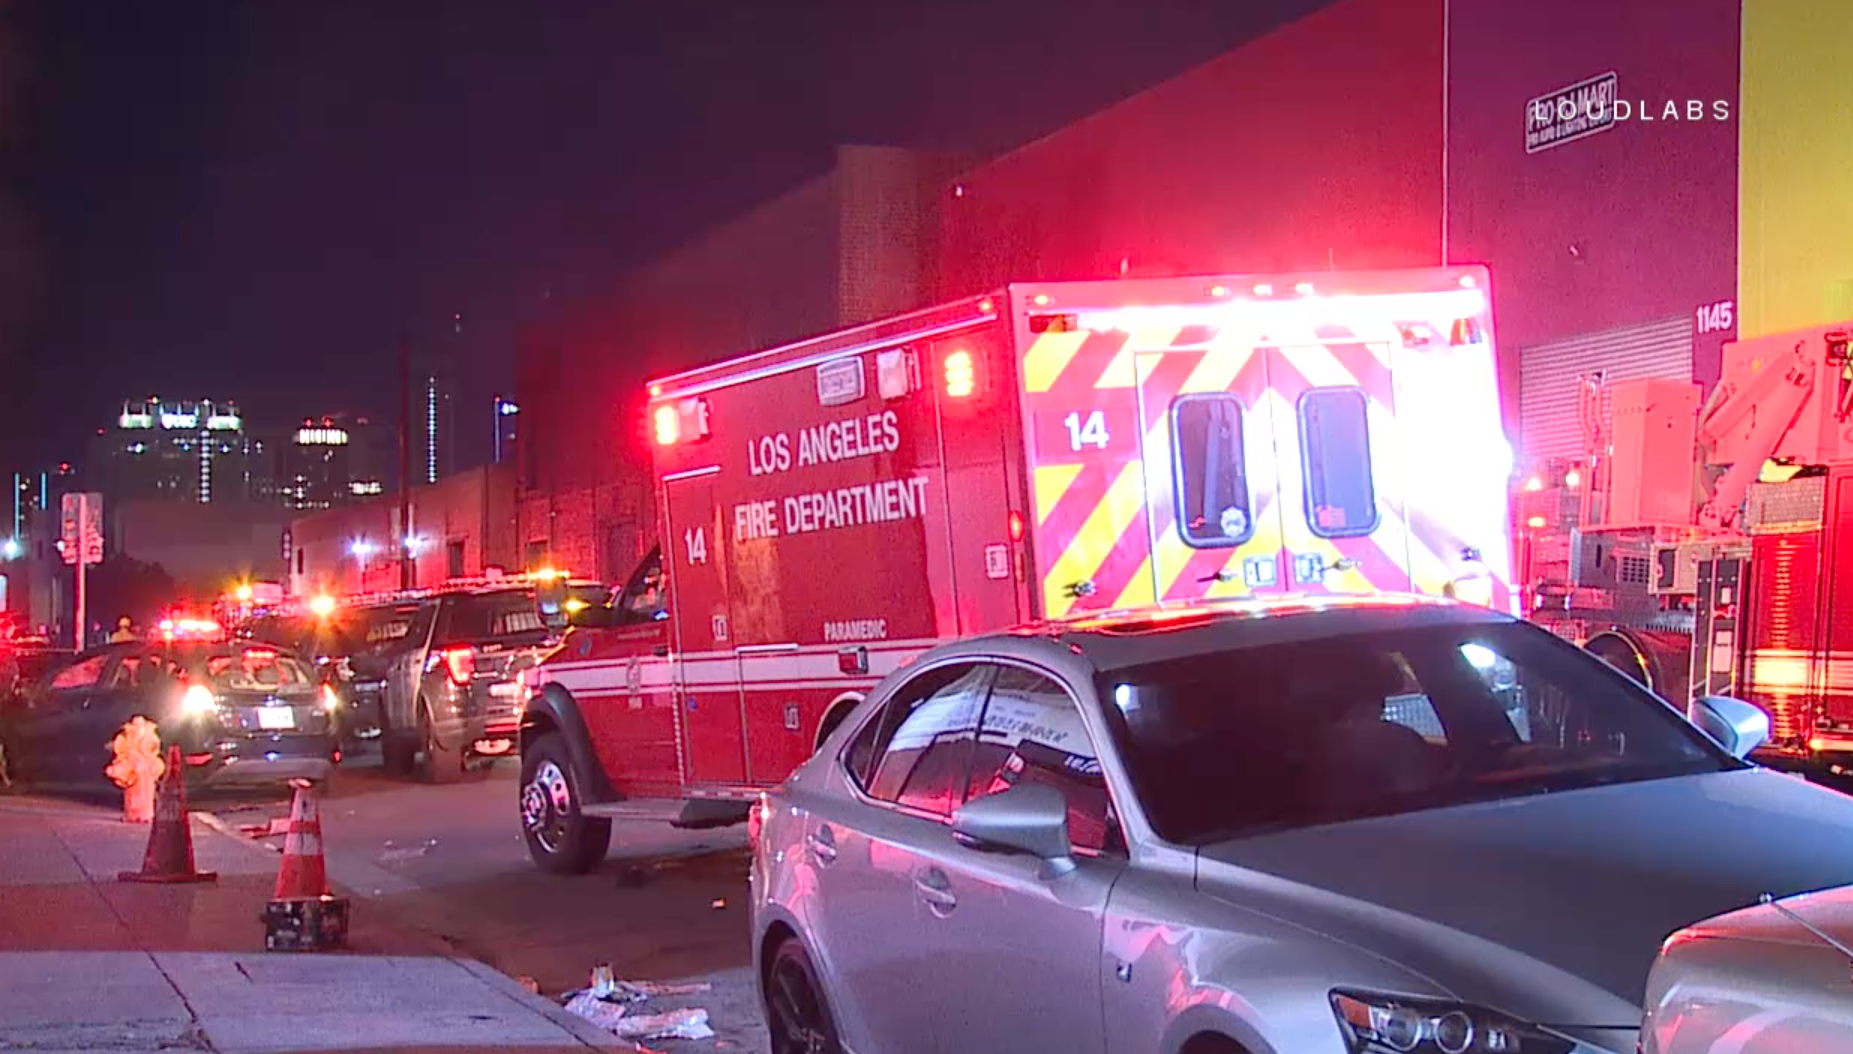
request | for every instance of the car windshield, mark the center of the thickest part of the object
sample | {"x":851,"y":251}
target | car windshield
{"x":257,"y":669}
{"x":1339,"y":728}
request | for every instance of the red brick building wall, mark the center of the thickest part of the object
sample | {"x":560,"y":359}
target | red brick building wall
{"x":852,"y":245}
{"x":1317,"y":145}
{"x":465,"y":524}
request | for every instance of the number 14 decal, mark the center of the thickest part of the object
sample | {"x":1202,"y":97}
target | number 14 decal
{"x":1089,"y":432}
{"x":695,"y":538}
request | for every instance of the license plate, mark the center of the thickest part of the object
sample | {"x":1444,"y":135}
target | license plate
{"x":505,"y":690}
{"x":276,"y":717}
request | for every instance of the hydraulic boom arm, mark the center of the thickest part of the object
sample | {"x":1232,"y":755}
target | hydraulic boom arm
{"x":1767,"y":405}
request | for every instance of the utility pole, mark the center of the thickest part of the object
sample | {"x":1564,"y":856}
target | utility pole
{"x":406,"y":576}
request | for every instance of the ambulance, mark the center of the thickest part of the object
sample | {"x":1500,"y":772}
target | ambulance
{"x":831,"y":508}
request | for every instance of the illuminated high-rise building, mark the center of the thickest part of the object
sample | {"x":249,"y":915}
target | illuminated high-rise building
{"x":191,"y":451}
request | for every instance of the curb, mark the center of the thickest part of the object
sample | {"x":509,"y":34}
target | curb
{"x":233,"y":833}
{"x":582,"y":1030}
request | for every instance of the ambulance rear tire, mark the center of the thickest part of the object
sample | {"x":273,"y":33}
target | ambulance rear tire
{"x":560,"y":838}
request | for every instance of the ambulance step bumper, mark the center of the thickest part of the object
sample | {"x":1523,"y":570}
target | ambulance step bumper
{"x":692,"y":813}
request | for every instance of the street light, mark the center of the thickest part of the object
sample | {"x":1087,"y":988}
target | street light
{"x":10,"y":549}
{"x":361,"y":548}
{"x":413,"y":544}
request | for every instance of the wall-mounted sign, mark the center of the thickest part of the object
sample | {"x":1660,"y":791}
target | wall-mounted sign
{"x":1576,"y":112}
{"x":321,"y":437}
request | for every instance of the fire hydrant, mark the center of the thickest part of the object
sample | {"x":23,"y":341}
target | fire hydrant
{"x":137,"y":768}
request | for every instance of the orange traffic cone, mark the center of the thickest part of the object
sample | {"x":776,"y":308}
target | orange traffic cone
{"x":170,"y":843}
{"x":303,"y":915}
{"x":304,"y":875}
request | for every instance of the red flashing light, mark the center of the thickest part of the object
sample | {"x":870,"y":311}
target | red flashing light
{"x":668,"y":426}
{"x":461,"y":663}
{"x":961,"y":375}
{"x":1016,"y":526}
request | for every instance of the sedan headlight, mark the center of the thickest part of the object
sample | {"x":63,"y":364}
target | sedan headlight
{"x":198,"y":699}
{"x":1384,"y":1024}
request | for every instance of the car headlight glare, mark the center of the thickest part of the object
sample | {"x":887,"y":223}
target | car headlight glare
{"x":1385,"y":1024}
{"x":198,"y":699}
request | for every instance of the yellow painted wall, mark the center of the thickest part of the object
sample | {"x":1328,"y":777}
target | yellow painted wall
{"x":1795,"y":211}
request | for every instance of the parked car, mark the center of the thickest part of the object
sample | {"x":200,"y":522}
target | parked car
{"x":445,"y":665}
{"x":327,"y":638}
{"x":241,"y":714}
{"x":1774,"y":977}
{"x":1308,"y":826}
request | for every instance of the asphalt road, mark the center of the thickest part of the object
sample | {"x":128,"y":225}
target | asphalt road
{"x":667,"y":905}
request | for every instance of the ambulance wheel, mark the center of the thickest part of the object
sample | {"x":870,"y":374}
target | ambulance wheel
{"x":560,"y":838}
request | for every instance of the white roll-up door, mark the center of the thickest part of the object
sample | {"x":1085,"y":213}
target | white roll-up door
{"x":1549,"y":375}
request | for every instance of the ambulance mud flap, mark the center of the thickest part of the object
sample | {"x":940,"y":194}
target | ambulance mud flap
{"x":555,"y":706}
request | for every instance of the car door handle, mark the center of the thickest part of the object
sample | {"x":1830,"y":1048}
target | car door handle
{"x":823,"y":846}
{"x":935,"y":891}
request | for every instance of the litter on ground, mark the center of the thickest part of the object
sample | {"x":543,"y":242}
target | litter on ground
{"x":616,"y":1006}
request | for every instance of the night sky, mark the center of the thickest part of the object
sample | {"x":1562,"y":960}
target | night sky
{"x":249,"y":200}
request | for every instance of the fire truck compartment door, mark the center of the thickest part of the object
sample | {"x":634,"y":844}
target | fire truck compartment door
{"x":707,"y":675}
{"x":1334,"y":432}
{"x":1213,"y":509}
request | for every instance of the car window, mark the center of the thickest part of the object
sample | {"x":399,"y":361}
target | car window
{"x":1341,"y":495}
{"x":83,"y":673}
{"x":1213,"y":509}
{"x":395,"y":627}
{"x":487,"y":617}
{"x":646,"y":596}
{"x":917,"y":751}
{"x":126,"y":674}
{"x":1031,"y":732}
{"x":259,"y":670}
{"x":1345,"y":726}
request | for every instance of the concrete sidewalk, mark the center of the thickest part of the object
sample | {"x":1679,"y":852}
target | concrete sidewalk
{"x":90,"y":963}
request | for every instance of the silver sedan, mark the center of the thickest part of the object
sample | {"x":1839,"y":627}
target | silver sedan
{"x":1317,"y":828}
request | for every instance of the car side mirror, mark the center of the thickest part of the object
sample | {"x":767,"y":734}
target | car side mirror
{"x":1032,"y":819}
{"x":1739,"y":727}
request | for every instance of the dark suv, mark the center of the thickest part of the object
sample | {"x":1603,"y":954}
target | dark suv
{"x":444,"y":667}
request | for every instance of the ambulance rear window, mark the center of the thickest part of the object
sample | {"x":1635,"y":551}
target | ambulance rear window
{"x":1341,"y":496}
{"x":1213,"y":509}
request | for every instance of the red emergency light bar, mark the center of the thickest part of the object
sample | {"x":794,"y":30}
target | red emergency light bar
{"x":684,"y":421}
{"x":191,"y":629}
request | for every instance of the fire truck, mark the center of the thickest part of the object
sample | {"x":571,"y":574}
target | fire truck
{"x":1708,"y":549}
{"x":831,"y":508}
